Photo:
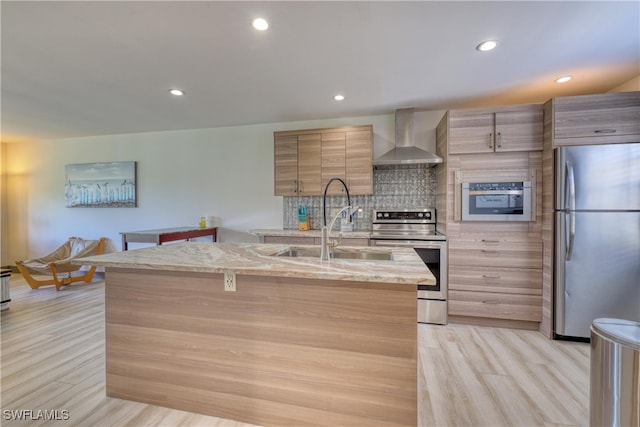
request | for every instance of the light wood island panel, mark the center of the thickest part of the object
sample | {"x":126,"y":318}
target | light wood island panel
{"x":278,"y":351}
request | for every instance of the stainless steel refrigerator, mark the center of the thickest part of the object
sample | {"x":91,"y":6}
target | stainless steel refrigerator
{"x":597,"y":236}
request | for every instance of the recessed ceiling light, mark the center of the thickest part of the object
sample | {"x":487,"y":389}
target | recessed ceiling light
{"x":487,"y":45}
{"x":563,"y":79}
{"x":176,"y":92}
{"x":260,"y":24}
{"x":339,"y":97}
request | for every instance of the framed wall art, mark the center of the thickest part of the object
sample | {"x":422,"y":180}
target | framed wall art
{"x":100,"y":185}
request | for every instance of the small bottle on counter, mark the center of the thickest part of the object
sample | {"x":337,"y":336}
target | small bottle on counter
{"x":203,"y":222}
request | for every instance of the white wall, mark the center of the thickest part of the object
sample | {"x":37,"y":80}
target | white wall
{"x":630,"y":86}
{"x":4,"y":222}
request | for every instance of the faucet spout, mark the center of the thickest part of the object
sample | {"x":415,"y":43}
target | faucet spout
{"x":327,"y":244}
{"x":324,"y":198}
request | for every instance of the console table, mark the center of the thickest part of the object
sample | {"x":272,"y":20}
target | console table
{"x":163,"y":235}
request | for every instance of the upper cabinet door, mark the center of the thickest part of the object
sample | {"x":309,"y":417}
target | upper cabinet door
{"x":596,"y":119}
{"x":333,"y":160}
{"x":471,"y":133}
{"x":309,"y":164}
{"x":359,"y":162}
{"x":519,"y":130}
{"x":285,"y":165}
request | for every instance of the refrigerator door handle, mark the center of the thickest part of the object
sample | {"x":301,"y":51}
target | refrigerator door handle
{"x":572,"y":236}
{"x":571,"y":192}
{"x":571,"y":186}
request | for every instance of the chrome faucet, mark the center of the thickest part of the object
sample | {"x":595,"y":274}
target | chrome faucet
{"x":327,"y":244}
{"x":325,"y":252}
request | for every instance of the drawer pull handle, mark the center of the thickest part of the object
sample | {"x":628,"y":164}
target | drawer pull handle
{"x":490,"y":241}
{"x":487,"y":251}
{"x":488,"y":276}
{"x":604,"y":131}
{"x":490,"y":301}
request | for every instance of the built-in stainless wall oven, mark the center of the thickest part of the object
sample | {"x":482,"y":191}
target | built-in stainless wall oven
{"x":496,"y":201}
{"x":416,"y":228}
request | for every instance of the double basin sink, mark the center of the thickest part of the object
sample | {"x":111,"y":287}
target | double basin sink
{"x":337,"y":253}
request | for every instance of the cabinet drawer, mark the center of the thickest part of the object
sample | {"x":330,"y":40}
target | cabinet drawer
{"x":503,"y":280}
{"x":495,"y":253}
{"x":495,"y":305}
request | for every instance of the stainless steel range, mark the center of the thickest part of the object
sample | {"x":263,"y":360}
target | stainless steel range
{"x":416,"y":228}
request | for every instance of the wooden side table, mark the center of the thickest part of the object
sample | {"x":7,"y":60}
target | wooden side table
{"x":163,"y":235}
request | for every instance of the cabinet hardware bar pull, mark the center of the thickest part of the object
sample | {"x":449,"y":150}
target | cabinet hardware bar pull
{"x":487,"y":251}
{"x":487,"y":276}
{"x":604,"y":131}
{"x":491,"y":141}
{"x":499,"y":139}
{"x":490,"y":241}
{"x":490,"y":301}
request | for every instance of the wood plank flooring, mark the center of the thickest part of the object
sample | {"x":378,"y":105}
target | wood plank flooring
{"x":52,"y":358}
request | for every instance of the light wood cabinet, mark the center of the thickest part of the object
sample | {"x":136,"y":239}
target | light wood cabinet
{"x":596,"y":119}
{"x":305,"y":160}
{"x":495,"y":252}
{"x":334,"y":158}
{"x":495,"y":277}
{"x":495,"y":305}
{"x":503,"y":280}
{"x":285,"y":150}
{"x":495,"y":268}
{"x":359,"y":160}
{"x":517,"y":128}
{"x":309,"y":164}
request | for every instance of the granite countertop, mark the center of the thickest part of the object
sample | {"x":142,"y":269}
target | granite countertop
{"x":309,"y":233}
{"x":258,"y":259}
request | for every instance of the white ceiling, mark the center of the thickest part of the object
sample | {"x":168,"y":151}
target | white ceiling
{"x":85,"y":68}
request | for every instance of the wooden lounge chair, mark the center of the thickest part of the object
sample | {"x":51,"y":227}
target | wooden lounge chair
{"x":59,"y":262}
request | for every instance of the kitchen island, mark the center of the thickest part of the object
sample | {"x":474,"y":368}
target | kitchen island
{"x":298,"y":342}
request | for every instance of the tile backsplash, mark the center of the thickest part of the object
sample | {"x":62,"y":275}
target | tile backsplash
{"x":398,"y":186}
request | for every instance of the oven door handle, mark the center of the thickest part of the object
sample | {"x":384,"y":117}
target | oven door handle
{"x":407,"y":243}
{"x":496,"y":192}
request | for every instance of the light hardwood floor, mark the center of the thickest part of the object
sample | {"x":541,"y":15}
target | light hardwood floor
{"x":52,"y":358}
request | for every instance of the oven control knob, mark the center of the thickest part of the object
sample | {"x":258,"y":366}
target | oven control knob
{"x":420,"y":214}
{"x":386,"y":215}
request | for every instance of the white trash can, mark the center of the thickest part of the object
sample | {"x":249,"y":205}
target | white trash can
{"x":614,"y":398}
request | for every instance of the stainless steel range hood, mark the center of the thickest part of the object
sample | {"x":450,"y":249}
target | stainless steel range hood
{"x":405,"y":152}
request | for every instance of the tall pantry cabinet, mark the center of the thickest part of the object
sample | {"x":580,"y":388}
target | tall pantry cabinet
{"x":495,"y":268}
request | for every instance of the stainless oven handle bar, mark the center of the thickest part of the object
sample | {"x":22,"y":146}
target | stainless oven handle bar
{"x":496,"y":192}
{"x":408,"y":243}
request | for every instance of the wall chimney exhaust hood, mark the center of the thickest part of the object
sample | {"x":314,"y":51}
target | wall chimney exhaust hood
{"x":405,"y":152}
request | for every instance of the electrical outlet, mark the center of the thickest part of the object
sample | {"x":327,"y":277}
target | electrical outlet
{"x":229,"y":281}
